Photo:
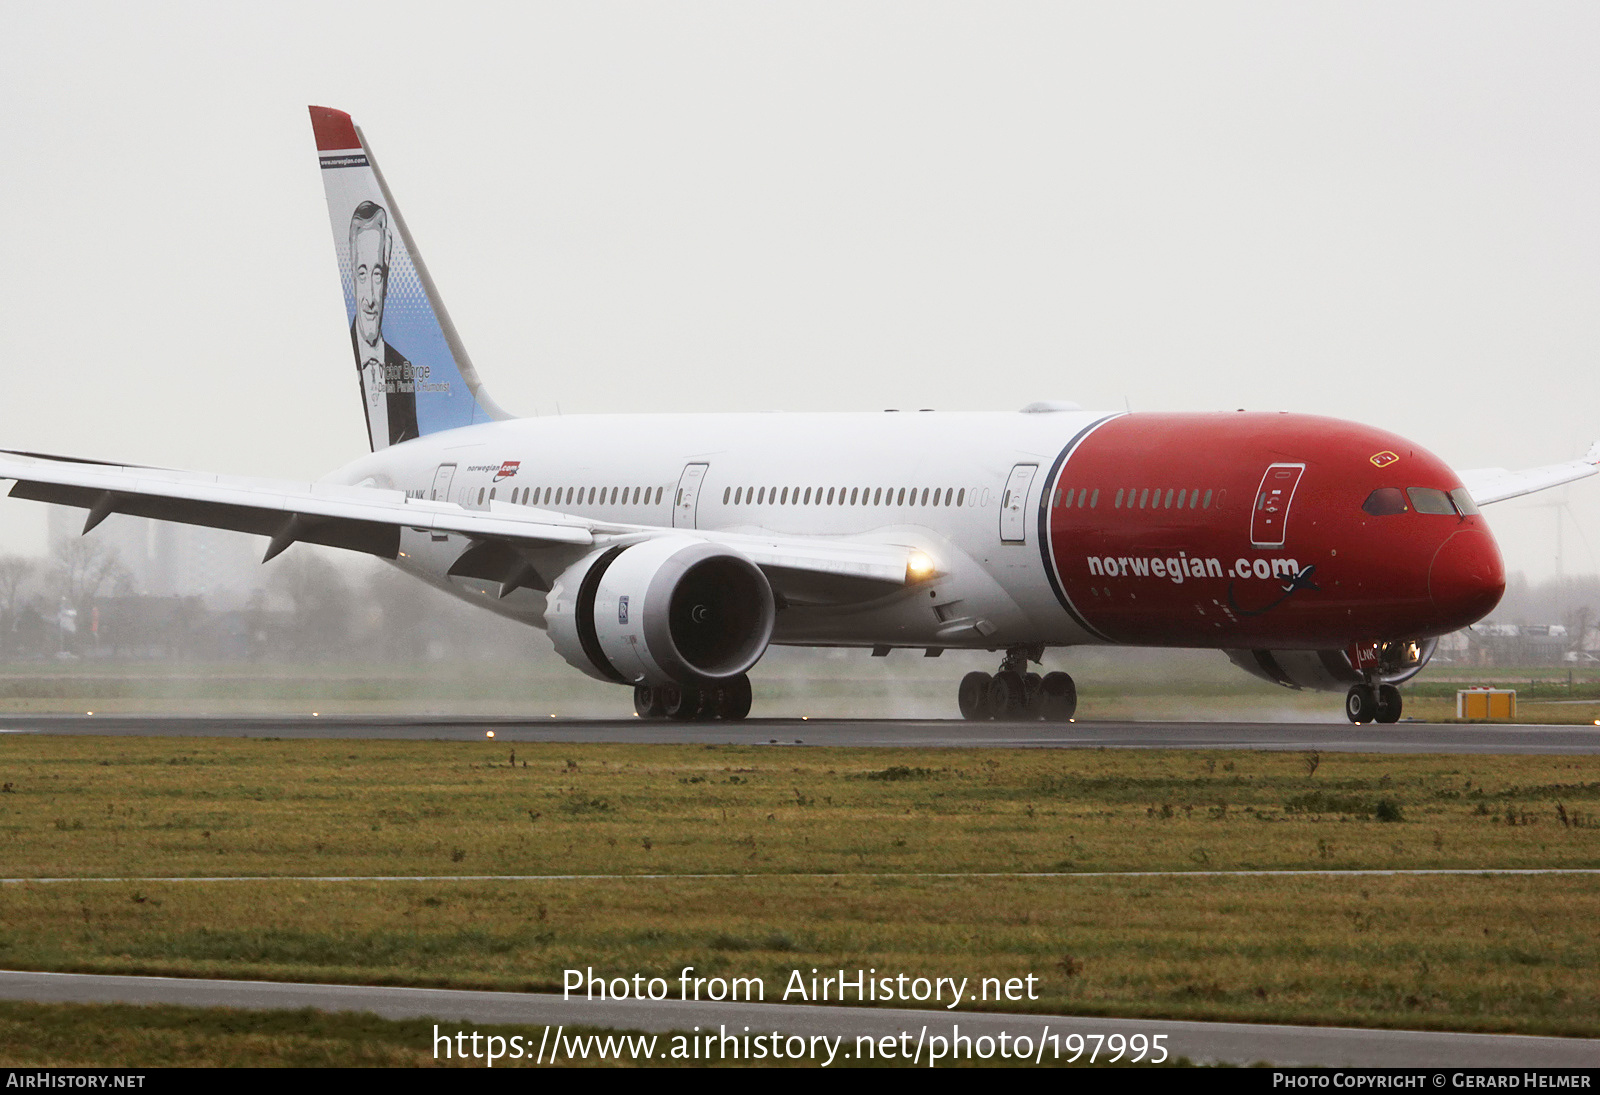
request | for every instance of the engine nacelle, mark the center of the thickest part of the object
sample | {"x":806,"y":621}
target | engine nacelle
{"x":1330,"y":670}
{"x":668,"y":610}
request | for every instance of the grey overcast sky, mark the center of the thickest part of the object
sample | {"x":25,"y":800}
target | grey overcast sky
{"x":1384,"y":212}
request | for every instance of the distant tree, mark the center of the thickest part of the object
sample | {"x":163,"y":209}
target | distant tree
{"x":16,"y":572}
{"x":15,"y":575}
{"x":320,"y":598}
{"x":1578,"y":621}
{"x":80,"y":567}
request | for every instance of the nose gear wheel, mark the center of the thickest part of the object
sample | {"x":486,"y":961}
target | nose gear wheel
{"x":1372,"y":703}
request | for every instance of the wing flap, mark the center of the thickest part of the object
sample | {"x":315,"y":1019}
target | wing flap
{"x":363,"y":519}
{"x":802,"y":569}
{"x":371,"y":537}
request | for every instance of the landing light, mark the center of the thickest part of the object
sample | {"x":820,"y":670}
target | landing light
{"x":919,"y":565}
{"x":491,"y":733}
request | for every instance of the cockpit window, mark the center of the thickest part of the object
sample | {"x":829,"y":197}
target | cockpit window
{"x":1431,"y":500}
{"x":1463,"y":500}
{"x":1384,"y":501}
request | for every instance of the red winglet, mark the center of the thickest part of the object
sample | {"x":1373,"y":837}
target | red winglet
{"x":333,"y":128}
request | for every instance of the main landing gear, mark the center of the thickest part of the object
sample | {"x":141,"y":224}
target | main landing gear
{"x":1014,"y":693}
{"x":728,"y":699}
{"x":1368,"y":702}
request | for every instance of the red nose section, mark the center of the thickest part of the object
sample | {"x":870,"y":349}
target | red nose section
{"x":1467,"y":578}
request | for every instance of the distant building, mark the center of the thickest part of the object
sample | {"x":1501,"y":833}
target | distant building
{"x":165,"y":559}
{"x":1497,"y":644}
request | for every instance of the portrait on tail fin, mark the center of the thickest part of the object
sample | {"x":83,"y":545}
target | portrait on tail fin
{"x":388,"y":381}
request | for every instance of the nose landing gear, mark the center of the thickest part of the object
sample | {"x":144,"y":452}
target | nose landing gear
{"x":1367,"y":702}
{"x":1014,"y":693}
{"x":728,"y":699}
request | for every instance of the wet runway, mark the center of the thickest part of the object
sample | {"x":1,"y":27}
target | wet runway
{"x":1402,"y":737}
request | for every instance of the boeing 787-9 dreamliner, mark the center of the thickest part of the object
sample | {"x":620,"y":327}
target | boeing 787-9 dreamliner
{"x":666,"y":552}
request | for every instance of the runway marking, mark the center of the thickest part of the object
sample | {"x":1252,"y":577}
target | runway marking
{"x":1351,"y":873}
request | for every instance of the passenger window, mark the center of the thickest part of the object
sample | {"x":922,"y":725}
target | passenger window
{"x":480,"y":496}
{"x":1118,"y":503}
{"x":1144,"y":496}
{"x":961,"y":499}
{"x":1094,"y":499}
{"x":491,"y":494}
{"x":1431,"y":500}
{"x":1384,"y":501}
{"x":727,"y":493}
{"x":658,"y":494}
{"x":924,"y":495}
{"x":761,"y":496}
{"x":1206,"y":502}
{"x":877,"y":496}
{"x":1464,"y":503}
{"x":852,"y":496}
{"x":830,"y":496}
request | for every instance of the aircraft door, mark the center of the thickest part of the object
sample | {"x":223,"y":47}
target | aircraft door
{"x":1013,"y":521}
{"x":683,"y":508}
{"x":1269,"y":518}
{"x":441,"y":483}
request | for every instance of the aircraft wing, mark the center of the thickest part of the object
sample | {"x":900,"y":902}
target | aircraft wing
{"x":1497,"y":484}
{"x":370,"y":520}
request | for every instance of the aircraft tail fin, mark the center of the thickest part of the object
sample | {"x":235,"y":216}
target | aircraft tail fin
{"x":415,"y":375}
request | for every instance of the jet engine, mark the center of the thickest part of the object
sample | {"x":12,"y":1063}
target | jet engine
{"x":669,"y":610}
{"x":1330,"y":670}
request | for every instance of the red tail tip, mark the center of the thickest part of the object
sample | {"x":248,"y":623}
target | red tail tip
{"x":333,"y":128}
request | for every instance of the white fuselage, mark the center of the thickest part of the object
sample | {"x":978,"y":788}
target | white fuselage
{"x":934,"y":481}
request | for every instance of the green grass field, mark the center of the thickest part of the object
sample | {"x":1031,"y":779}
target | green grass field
{"x":832,"y":853}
